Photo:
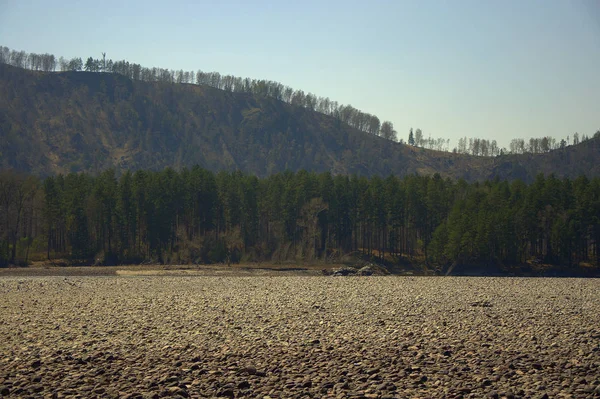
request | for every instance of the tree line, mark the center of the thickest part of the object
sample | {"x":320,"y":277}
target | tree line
{"x":417,"y":139}
{"x":490,"y":148}
{"x":197,"y":216}
{"x":345,"y":113}
{"x":540,"y":145}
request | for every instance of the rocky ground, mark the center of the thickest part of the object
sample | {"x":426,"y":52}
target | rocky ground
{"x":299,"y":337}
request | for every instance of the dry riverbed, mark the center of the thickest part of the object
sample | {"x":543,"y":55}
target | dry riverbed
{"x":299,"y":337}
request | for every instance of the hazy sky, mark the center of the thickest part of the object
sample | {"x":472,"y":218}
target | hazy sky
{"x":489,"y":69}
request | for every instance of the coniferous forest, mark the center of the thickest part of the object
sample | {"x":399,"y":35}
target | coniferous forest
{"x":197,"y":216}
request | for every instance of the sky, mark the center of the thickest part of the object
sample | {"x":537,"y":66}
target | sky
{"x":496,"y":70}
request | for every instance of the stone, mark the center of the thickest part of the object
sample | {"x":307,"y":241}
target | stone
{"x":382,"y":386}
{"x":36,"y":388}
{"x":365,"y":271}
{"x":307,"y":383}
{"x":226,"y":393}
{"x":344,"y":271}
{"x":176,"y":390}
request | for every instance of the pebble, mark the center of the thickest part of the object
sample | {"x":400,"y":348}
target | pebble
{"x":279,"y":337}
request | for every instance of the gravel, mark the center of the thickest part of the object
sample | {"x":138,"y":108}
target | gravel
{"x":299,"y":337}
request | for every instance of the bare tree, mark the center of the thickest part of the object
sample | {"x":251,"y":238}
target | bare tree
{"x":418,"y":137}
{"x":387,"y":131}
{"x":4,"y":55}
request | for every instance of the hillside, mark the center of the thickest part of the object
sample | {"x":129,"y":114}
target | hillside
{"x":83,"y":121}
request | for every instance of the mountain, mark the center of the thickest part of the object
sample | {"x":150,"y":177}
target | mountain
{"x":83,"y":121}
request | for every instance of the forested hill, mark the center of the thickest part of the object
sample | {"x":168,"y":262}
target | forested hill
{"x":84,"y":121}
